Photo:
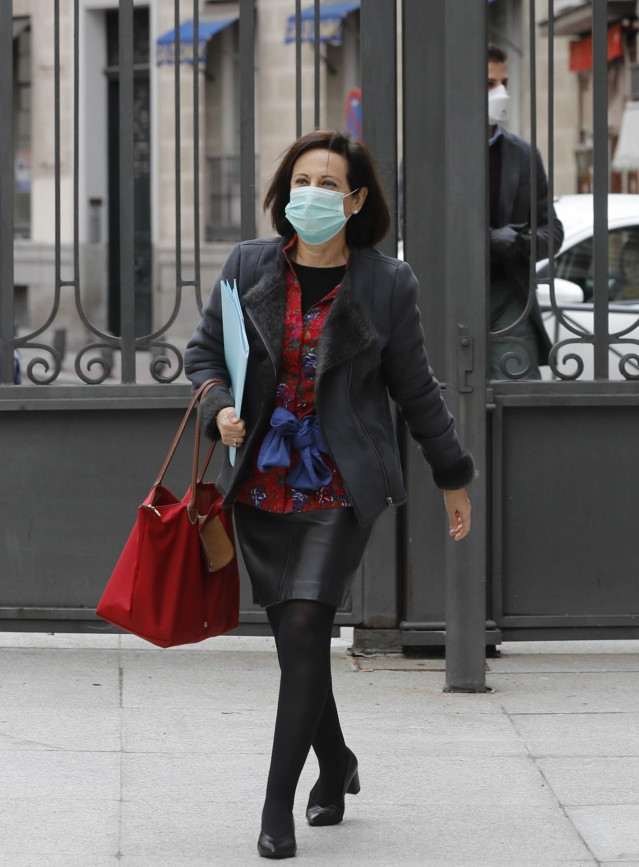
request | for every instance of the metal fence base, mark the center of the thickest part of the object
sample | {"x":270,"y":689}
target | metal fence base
{"x":428,"y":637}
{"x":377,"y":641}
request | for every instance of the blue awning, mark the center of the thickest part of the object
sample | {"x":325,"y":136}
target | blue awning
{"x":166,"y":44}
{"x":331,"y":17}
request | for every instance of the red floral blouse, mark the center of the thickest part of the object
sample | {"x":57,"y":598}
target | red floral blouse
{"x":296,"y":393}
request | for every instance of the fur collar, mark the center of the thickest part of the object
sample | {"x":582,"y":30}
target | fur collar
{"x":265,"y":303}
{"x":347,"y":331}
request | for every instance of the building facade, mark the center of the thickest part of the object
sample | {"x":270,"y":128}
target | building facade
{"x":168,"y":61}
{"x":165,"y":65}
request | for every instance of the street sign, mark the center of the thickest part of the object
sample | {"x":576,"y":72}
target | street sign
{"x":354,"y":112}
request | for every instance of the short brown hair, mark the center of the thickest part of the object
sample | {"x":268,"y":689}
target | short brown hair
{"x":365,"y":229}
{"x":496,"y":54}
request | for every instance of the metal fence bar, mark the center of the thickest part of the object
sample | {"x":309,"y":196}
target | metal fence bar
{"x":127,"y":200}
{"x":551,"y":136}
{"x":382,"y":595}
{"x":56,"y":147}
{"x":532,"y":272}
{"x":424,"y":546}
{"x":379,"y":89}
{"x":76,"y":151}
{"x":316,"y":51}
{"x":298,"y":68}
{"x":177,"y":100}
{"x":196,"y":148}
{"x":6,"y":194}
{"x":247,"y":119}
{"x":600,"y":185}
{"x":423,"y":159}
{"x":466,"y":248}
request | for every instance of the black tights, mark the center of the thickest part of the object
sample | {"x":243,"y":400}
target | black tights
{"x":306,"y":711}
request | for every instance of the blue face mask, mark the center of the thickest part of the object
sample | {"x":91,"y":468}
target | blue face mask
{"x":316,"y":214}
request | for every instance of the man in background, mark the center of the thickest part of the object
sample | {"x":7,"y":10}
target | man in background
{"x":517,"y":353}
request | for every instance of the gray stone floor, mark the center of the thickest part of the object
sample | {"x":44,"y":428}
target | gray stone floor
{"x":112,"y":751}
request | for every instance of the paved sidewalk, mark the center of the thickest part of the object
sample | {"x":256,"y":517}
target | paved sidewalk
{"x":115,"y":752}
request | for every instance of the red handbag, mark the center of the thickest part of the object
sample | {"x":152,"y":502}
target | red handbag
{"x":167,"y":586}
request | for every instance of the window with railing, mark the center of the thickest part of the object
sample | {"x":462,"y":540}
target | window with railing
{"x":22,"y":127}
{"x":223,"y":218}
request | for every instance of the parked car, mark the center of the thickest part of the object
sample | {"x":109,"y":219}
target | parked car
{"x":574,"y":282}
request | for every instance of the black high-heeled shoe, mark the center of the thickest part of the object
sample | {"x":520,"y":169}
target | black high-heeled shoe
{"x":334,"y":813}
{"x":277,"y":847}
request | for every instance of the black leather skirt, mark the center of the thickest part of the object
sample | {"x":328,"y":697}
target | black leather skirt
{"x":302,"y":555}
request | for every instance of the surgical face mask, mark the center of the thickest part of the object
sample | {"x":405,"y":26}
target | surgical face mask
{"x":316,"y":214}
{"x":498,"y":100}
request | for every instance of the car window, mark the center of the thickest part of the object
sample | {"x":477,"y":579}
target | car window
{"x":576,"y":264}
{"x":628,"y":287}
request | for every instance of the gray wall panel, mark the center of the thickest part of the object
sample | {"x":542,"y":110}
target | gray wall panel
{"x":568,"y":493}
{"x":72,"y":486}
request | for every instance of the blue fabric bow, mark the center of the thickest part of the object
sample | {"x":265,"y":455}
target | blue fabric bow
{"x":304,"y":435}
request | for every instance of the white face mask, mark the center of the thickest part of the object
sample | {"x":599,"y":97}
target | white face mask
{"x":316,"y":214}
{"x":498,"y":100}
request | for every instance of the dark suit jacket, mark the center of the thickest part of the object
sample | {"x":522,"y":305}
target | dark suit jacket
{"x":510,"y":240}
{"x":372,"y":345}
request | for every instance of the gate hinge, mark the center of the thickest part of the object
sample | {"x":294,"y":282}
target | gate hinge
{"x":464,"y":359}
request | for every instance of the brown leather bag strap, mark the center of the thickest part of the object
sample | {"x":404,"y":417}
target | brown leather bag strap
{"x":206,"y":463}
{"x":202,"y":391}
{"x":195,"y":478}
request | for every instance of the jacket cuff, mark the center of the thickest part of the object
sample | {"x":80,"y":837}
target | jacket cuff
{"x":457,"y":475}
{"x":216,"y":399}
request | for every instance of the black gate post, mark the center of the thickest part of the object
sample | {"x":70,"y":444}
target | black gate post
{"x":247,"y":118}
{"x":6,"y":194}
{"x":379,"y":130}
{"x":445,"y":241}
{"x":466,"y":171}
{"x":379,"y":99}
{"x":127,"y":200}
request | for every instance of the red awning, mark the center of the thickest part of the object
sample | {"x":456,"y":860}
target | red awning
{"x":581,"y":51}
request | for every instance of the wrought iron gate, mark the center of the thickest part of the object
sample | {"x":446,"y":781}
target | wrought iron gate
{"x":549,"y":535}
{"x":559,"y":458}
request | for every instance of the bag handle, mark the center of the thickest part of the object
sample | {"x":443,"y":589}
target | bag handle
{"x":205,"y":465}
{"x":200,"y":394}
{"x":196,"y":478}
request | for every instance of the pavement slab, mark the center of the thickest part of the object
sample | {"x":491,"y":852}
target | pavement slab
{"x":21,"y":859}
{"x":589,"y":781}
{"x":59,"y":775}
{"x":610,"y":831}
{"x":113,"y":752}
{"x":567,"y":692}
{"x":584,"y":734}
{"x":60,"y":728}
{"x":236,"y":728}
{"x":462,"y":782}
{"x":61,"y":826}
{"x":436,"y":734}
{"x":38,"y":677}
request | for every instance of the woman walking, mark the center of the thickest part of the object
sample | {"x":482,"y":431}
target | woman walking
{"x":334,"y":330}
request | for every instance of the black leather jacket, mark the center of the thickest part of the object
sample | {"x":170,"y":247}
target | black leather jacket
{"x":372,"y":346}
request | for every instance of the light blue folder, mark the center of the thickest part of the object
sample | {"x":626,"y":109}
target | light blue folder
{"x":235,"y":346}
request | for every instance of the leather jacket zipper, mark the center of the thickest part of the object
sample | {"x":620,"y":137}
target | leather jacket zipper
{"x":389,"y":499}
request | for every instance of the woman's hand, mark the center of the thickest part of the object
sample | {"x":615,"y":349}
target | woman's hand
{"x":458,"y":508}
{"x":232,"y":429}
